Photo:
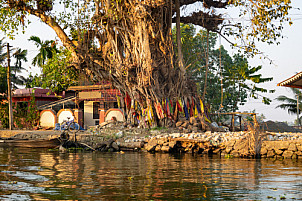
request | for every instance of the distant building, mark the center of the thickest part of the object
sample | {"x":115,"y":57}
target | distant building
{"x":89,"y":105}
{"x":42,"y":96}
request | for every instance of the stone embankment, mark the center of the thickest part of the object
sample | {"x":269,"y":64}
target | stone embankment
{"x":228,"y":144}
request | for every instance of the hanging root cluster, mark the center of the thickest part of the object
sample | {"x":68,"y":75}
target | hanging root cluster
{"x":129,"y":43}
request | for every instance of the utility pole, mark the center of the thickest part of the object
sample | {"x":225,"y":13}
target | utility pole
{"x":9,"y":91}
{"x":298,"y":120}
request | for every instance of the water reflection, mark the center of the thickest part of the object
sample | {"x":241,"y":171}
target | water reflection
{"x":27,"y":174}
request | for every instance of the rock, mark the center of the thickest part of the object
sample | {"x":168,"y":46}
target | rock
{"x":172,"y":144}
{"x":283,"y":145}
{"x":299,"y":147}
{"x":216,"y":151}
{"x":197,"y":125}
{"x":294,"y":156}
{"x":115,"y":146}
{"x":244,"y":152}
{"x":239,"y":145}
{"x":228,"y":150}
{"x":292,"y":147}
{"x":287,"y":154}
{"x":263,"y":151}
{"x":278,"y":157}
{"x":151,"y":145}
{"x":119,"y":134}
{"x":278,"y":151}
{"x":161,"y":141}
{"x":230,"y":143}
{"x":158,"y":148}
{"x":178,"y":124}
{"x":165,"y":149}
{"x":270,"y":154}
{"x":192,"y":120}
{"x":195,"y":129}
{"x":208,"y":133}
{"x":175,"y":135}
{"x":185,"y":124}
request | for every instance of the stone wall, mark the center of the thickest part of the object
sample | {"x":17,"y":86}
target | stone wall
{"x":235,"y":146}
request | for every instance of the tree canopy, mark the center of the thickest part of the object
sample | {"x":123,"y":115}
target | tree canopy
{"x":55,"y":76}
{"x":231,"y":74}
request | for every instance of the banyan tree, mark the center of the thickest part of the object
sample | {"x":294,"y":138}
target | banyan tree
{"x":129,"y":42}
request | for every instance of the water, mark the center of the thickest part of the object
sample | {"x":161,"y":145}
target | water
{"x":39,"y":174}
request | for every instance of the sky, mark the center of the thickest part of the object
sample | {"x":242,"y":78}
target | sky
{"x":287,"y":59}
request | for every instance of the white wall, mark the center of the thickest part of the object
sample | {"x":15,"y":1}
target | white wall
{"x":47,"y":119}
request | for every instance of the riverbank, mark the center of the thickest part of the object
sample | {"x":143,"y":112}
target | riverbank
{"x":225,"y":144}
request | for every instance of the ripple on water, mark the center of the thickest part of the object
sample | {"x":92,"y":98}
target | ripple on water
{"x":15,"y":196}
{"x":24,"y":187}
{"x":30,"y":176}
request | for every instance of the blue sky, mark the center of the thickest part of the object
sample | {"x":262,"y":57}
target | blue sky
{"x":287,"y":59}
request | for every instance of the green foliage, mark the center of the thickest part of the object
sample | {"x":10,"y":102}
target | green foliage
{"x":290,"y":103}
{"x":3,"y":113}
{"x":16,"y":79}
{"x":3,"y":80}
{"x":47,"y":49}
{"x":33,"y":115}
{"x":57,"y":75}
{"x":239,"y":79}
{"x":26,"y":114}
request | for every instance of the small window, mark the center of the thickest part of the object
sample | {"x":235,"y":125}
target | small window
{"x":96,"y":107}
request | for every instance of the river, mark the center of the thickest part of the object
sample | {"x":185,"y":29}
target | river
{"x":41,"y":174}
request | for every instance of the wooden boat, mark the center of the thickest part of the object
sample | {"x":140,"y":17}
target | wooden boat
{"x":39,"y":143}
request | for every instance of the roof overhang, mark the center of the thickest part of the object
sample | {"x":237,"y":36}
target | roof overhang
{"x":293,"y":82}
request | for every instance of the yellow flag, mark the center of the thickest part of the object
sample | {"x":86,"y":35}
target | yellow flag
{"x":201,"y":106}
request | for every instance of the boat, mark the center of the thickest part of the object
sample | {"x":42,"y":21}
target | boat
{"x":39,"y":143}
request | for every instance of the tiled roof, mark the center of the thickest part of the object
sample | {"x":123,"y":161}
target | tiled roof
{"x":294,"y":81}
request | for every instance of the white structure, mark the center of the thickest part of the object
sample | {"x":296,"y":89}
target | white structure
{"x":63,"y":114}
{"x":48,"y":118}
{"x":117,"y":113}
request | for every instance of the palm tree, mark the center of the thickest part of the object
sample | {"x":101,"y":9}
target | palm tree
{"x":2,"y":55}
{"x":291,"y":103}
{"x":19,"y":55}
{"x":46,"y":50}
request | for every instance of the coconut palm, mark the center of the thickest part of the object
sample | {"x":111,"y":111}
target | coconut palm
{"x":290,"y":103}
{"x":3,"y":53}
{"x":19,"y":55}
{"x":46,"y":50}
